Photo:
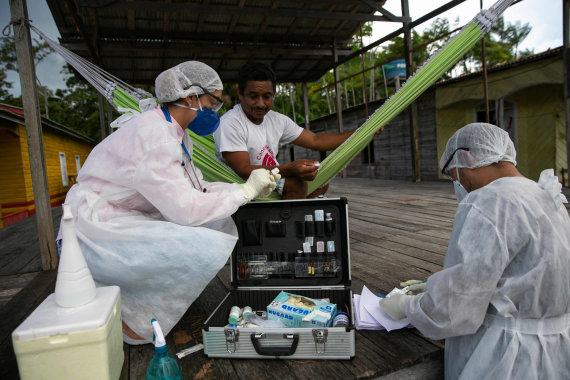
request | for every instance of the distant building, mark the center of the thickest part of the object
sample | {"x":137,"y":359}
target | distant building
{"x":65,"y":151}
{"x":526,"y":99}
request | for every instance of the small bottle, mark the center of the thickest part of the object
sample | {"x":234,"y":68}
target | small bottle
{"x":235,"y":313}
{"x":162,"y":365}
{"x":247,"y":313}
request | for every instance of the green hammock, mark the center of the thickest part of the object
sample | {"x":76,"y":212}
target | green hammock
{"x":428,"y":74}
{"x":127,"y":98}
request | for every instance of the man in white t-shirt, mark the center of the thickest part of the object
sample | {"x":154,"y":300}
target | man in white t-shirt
{"x":250,"y":134}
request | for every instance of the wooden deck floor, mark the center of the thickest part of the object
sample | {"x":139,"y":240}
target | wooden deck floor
{"x":398,"y":230}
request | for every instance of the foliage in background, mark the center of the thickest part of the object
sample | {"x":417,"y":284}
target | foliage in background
{"x":501,"y":45}
{"x":77,"y":106}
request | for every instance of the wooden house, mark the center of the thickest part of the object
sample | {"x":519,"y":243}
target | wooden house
{"x":526,"y":98}
{"x":65,"y":151}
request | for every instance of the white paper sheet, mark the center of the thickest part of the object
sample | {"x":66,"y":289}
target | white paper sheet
{"x":370,"y":316}
{"x":358,"y":322}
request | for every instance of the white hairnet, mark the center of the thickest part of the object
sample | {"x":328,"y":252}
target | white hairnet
{"x":487,"y":144}
{"x":176,"y":82}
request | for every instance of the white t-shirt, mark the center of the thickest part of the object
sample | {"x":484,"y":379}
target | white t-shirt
{"x":237,"y":133}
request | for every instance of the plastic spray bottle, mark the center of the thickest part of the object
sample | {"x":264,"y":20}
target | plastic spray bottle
{"x":162,"y":366}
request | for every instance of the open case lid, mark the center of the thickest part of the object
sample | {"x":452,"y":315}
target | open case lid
{"x":299,"y":243}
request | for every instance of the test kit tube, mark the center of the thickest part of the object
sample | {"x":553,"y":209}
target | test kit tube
{"x":235,"y":313}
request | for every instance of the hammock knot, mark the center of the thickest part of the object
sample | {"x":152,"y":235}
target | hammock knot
{"x":16,"y":22}
{"x":485,"y":20}
{"x":109,"y":90}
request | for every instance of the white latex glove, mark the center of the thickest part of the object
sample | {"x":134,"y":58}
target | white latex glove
{"x":259,"y":184}
{"x":394,"y":306}
{"x":414,"y":286}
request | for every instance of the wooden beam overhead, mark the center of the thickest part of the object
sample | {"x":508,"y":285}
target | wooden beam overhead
{"x":266,"y":19}
{"x":148,"y":34}
{"x":84,"y":32}
{"x":234,"y":19}
{"x":343,"y":23}
{"x":378,"y":5}
{"x":205,"y":9}
{"x":189,"y":48}
{"x":320,"y":22}
{"x":200,"y":15}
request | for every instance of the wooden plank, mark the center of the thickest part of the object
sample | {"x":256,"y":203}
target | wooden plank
{"x":139,"y":358}
{"x":188,"y":332}
{"x":365,"y":231}
{"x":16,"y":281}
{"x":126,"y":363}
{"x":381,"y":352}
{"x":11,"y":285}
{"x":19,"y":245}
{"x":15,"y":312}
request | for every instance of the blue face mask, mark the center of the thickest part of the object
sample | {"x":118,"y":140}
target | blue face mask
{"x":205,"y":123}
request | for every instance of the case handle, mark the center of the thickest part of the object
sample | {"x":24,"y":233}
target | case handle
{"x":275,"y":351}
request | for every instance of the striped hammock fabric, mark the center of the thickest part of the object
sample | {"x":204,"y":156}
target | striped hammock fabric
{"x":128,"y":99}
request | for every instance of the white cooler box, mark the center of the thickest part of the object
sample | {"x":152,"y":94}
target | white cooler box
{"x":84,"y":342}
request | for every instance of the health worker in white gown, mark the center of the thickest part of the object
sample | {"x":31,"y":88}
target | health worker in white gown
{"x":145,"y":218}
{"x":502,"y":300}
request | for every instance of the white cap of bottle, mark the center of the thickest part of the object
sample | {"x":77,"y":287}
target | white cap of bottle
{"x":74,"y":285}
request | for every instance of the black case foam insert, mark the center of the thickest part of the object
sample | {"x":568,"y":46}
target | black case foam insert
{"x":274,"y":237}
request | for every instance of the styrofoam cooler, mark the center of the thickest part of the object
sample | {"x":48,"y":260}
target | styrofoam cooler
{"x":83,"y":342}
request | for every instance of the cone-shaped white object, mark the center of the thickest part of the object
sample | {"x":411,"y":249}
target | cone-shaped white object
{"x":74,"y":285}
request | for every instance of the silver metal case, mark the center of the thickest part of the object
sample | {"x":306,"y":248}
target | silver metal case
{"x":266,"y":261}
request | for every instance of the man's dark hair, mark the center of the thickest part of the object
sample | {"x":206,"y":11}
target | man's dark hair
{"x":255,"y":71}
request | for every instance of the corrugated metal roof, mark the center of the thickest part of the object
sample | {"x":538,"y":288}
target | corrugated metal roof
{"x":504,"y":66}
{"x":135,"y":40}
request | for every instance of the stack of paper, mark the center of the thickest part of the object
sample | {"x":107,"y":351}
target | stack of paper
{"x":368,"y":315}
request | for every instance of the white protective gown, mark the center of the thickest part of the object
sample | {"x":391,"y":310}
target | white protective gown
{"x":143,"y":226}
{"x":502,"y":299}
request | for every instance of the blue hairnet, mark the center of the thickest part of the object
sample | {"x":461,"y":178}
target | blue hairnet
{"x":485,"y":144}
{"x":175,"y":83}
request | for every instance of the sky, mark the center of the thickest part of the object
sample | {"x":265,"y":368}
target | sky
{"x":545,"y":17}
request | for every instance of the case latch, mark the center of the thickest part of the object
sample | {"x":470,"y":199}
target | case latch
{"x":320,"y":337}
{"x":232,"y":337}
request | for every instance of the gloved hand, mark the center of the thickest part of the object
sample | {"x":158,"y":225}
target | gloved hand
{"x":259,"y":184}
{"x":414,"y":286}
{"x":394,"y":306}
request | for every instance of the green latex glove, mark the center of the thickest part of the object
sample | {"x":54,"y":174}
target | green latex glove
{"x":395,"y":306}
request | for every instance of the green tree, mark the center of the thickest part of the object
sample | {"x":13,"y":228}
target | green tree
{"x":501,"y":45}
{"x":9,"y":62}
{"x":77,"y":106}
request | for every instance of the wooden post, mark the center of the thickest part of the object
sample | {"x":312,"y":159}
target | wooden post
{"x":413,"y":111}
{"x":485,"y":87}
{"x":306,"y":109}
{"x":109,"y":116}
{"x":566,"y":42}
{"x":102,"y":117}
{"x":32,"y":119}
{"x":337,"y":96}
